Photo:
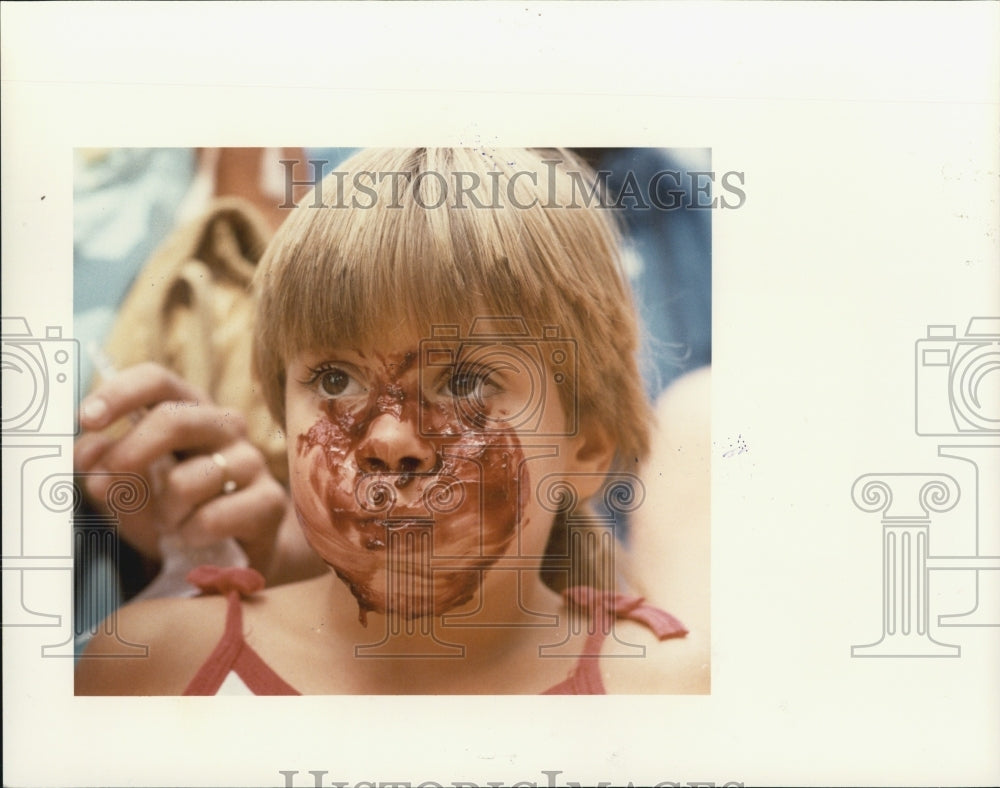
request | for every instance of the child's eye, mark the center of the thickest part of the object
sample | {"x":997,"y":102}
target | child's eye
{"x":474,"y":384}
{"x":335,"y":382}
{"x":463,"y":384}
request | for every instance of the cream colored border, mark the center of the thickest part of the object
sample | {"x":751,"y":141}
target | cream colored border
{"x":868,"y":135}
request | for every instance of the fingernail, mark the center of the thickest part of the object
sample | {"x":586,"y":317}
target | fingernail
{"x":94,"y":412}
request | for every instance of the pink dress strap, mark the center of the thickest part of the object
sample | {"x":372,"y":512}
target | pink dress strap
{"x":603,"y":608}
{"x":232,"y":654}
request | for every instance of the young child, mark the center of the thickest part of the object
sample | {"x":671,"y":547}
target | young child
{"x":448,"y":340}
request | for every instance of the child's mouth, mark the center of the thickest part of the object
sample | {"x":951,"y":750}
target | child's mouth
{"x":377,"y":533}
{"x":397,"y":524}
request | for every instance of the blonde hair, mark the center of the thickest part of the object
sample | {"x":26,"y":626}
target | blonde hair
{"x":434,"y":236}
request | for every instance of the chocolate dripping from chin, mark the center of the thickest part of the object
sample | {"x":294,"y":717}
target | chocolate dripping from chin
{"x":407,"y":585}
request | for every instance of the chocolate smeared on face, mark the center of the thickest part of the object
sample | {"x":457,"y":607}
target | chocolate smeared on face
{"x":411,"y":527}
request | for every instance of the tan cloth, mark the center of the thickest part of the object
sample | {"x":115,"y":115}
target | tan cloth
{"x":190,"y":309}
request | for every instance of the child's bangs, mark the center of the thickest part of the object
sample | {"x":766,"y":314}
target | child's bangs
{"x":403,"y":264}
{"x":373,"y":284}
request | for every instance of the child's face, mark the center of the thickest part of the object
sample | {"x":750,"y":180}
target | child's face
{"x":413,"y":475}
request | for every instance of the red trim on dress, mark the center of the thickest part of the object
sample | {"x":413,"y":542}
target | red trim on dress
{"x":603,"y":609}
{"x":233,"y":655}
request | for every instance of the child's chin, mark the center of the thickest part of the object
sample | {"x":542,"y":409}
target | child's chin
{"x":410,"y":595}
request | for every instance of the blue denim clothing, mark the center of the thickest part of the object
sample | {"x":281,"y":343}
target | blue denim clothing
{"x":668,"y":257}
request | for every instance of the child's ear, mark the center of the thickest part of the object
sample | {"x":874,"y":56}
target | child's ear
{"x":592,"y":452}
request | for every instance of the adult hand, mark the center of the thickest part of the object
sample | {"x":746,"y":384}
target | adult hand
{"x":207,"y":482}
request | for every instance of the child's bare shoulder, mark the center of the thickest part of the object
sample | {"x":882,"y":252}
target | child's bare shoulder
{"x":675,"y":666}
{"x":178,"y":635}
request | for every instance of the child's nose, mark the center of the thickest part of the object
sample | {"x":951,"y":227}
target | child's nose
{"x":393,"y":445}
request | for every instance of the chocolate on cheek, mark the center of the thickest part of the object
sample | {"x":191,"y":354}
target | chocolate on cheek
{"x":470,"y":498}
